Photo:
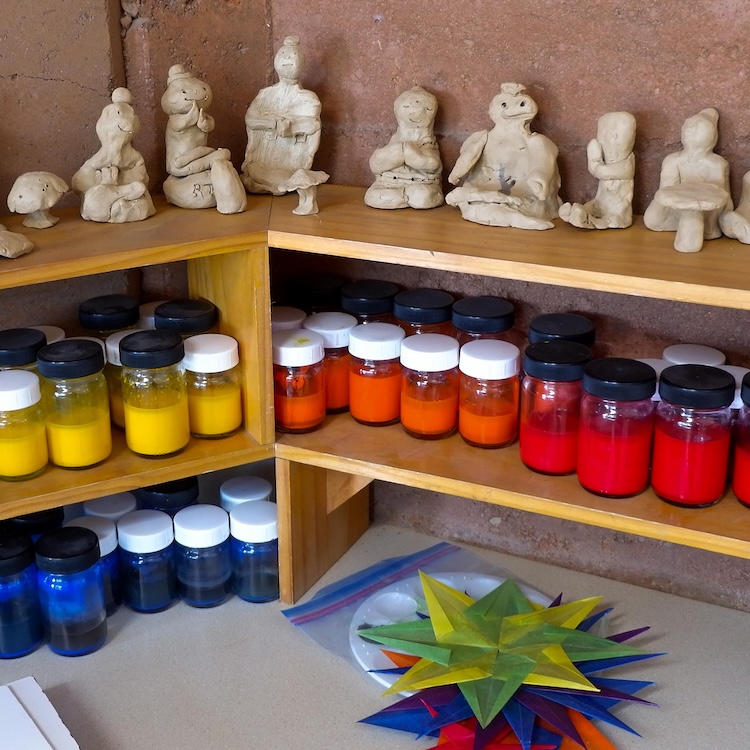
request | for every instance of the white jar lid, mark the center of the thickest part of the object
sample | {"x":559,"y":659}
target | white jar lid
{"x":286,"y":318}
{"x":146,"y":312}
{"x":144,"y":531}
{"x":693,"y":354}
{"x":51,"y":333}
{"x":18,"y":389}
{"x":243,"y":490}
{"x":737,"y":373}
{"x":334,"y":327}
{"x":112,"y":346}
{"x":429,"y":352}
{"x":210,"y":352}
{"x":376,"y":341}
{"x":102,"y":527}
{"x":297,"y":348}
{"x":201,"y":526}
{"x":658,"y":365}
{"x":113,"y":507}
{"x":489,"y":359}
{"x":255,"y":522}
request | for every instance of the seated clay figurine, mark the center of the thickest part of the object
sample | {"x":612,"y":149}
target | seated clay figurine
{"x":283,"y":134}
{"x":199,"y":176}
{"x":408,"y":170}
{"x":694,"y":187}
{"x":13,"y":244}
{"x":34,"y":194}
{"x":510,"y":175}
{"x":612,"y":162}
{"x":736,"y":224}
{"x":114,"y":181}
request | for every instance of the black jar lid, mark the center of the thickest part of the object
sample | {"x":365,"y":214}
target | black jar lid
{"x":368,"y":297}
{"x":70,"y":549}
{"x":150,"y":349}
{"x":619,"y":379}
{"x":557,"y":360}
{"x":169,"y":496}
{"x":186,"y":315}
{"x":109,"y":312}
{"x":70,"y":358}
{"x":20,"y":346}
{"x":16,"y":552}
{"x":423,"y":305}
{"x":745,"y":389}
{"x":697,"y":386}
{"x":565,"y":326}
{"x":483,"y":314}
{"x":38,"y":522}
{"x":315,"y":292}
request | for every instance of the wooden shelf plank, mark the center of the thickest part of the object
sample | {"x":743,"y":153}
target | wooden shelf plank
{"x":499,"y":477}
{"x":632,"y":261}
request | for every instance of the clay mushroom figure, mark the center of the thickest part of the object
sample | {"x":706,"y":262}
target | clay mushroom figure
{"x":34,"y":194}
{"x":305,"y":182}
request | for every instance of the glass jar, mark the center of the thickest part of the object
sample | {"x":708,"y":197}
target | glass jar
{"x":482,"y":317}
{"x":741,"y":469}
{"x":52,"y":334}
{"x":488,"y":393}
{"x":101,"y":316}
{"x":550,"y":405}
{"x":113,"y":376}
{"x":693,"y":354}
{"x":71,"y":590}
{"x":21,"y":628}
{"x":238,"y":490}
{"x":111,"y":507}
{"x":692,"y":435}
{"x":147,"y":568}
{"x":424,"y":311}
{"x":375,"y":374}
{"x":299,"y":389}
{"x":213,"y":385}
{"x":334,"y":328}
{"x":23,"y":440}
{"x":35,"y":524}
{"x":562,"y":326}
{"x":171,"y":496}
{"x":186,"y":316}
{"x":19,"y":348}
{"x":204,"y":570}
{"x":616,"y":428}
{"x":154,"y":393}
{"x":369,"y":300}
{"x":429,"y":385}
{"x":284,"y":318}
{"x":254,"y":548}
{"x":76,"y":402}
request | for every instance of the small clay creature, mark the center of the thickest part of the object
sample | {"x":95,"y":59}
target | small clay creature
{"x":114,"y":181}
{"x":199,"y":176}
{"x":34,"y":194}
{"x":13,"y":244}
{"x":736,"y":224}
{"x":612,"y":162}
{"x":510,"y":175}
{"x":408,"y":170}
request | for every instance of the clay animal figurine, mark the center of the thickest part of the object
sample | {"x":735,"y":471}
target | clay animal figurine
{"x":612,"y":162}
{"x":34,"y":194}
{"x":283,"y":133}
{"x":114,"y":181}
{"x":510,"y":175}
{"x":13,"y":244}
{"x":408,"y":170}
{"x":694,"y":187}
{"x":736,"y":224}
{"x":199,"y":176}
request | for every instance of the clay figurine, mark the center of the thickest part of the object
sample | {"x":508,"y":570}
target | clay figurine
{"x":408,"y":170}
{"x":34,"y":194}
{"x":114,"y":181}
{"x":283,"y":134}
{"x":199,"y":176}
{"x":510,"y":175}
{"x":736,"y":224}
{"x":13,"y":244}
{"x":612,"y":162}
{"x":694,"y":187}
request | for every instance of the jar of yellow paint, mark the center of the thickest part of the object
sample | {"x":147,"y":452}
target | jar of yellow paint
{"x":154,"y":393}
{"x":23,"y":443}
{"x":213,"y":381}
{"x":76,"y":403}
{"x":113,"y":374}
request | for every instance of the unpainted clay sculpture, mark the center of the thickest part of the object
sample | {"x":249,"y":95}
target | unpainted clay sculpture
{"x":408,"y":170}
{"x":736,"y":224}
{"x":13,"y":244}
{"x":612,"y":162}
{"x":283,"y":134}
{"x":199,"y":176}
{"x":34,"y":194}
{"x":694,"y":187}
{"x":510,"y":174}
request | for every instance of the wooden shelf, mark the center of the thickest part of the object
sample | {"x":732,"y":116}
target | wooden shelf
{"x":499,"y":477}
{"x":632,"y":261}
